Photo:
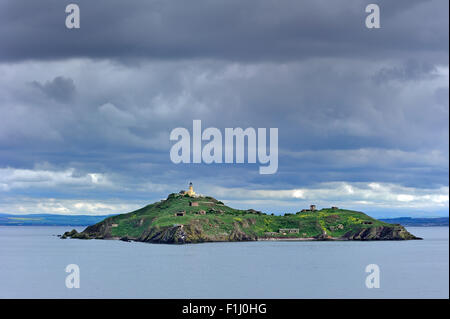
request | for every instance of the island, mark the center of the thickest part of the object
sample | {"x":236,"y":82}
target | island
{"x":186,"y":217}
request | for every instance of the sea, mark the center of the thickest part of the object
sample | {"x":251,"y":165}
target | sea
{"x":34,"y":260}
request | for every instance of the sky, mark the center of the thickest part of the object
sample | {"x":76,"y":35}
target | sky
{"x":362,"y":114}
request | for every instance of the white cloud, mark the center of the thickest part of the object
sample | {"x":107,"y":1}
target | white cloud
{"x":26,"y":205}
{"x":356,"y":195}
{"x":347,"y":194}
{"x":13,"y":178}
{"x":363,"y":196}
{"x":405,"y":198}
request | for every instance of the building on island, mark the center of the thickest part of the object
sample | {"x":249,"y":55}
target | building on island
{"x":289,"y":231}
{"x":193,"y":203}
{"x":180,"y":213}
{"x":312,"y":208}
{"x":190,"y":191}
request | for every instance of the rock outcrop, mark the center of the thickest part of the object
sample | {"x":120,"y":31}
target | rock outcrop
{"x":394,"y":232}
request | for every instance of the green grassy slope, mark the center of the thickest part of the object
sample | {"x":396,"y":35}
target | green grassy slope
{"x":158,"y":223}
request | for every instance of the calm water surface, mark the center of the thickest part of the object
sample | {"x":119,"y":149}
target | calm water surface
{"x":33,"y":261}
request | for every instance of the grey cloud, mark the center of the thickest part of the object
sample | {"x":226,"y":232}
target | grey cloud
{"x":60,"y":88}
{"x":351,"y":104}
{"x":229,"y":30}
{"x":319,"y":106}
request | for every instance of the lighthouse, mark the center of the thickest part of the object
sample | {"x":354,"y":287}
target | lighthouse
{"x":191,"y":192}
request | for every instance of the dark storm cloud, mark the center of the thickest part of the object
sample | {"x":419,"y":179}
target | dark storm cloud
{"x":232,"y":30}
{"x":60,"y":88}
{"x":351,"y":104}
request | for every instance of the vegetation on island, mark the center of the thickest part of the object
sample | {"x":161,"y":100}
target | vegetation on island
{"x":182,"y":218}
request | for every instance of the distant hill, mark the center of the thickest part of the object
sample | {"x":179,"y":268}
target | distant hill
{"x":418,"y":222}
{"x":49,"y":220}
{"x":194,"y":219}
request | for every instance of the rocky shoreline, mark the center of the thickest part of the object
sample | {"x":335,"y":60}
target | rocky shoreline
{"x":177,"y":235}
{"x":185,"y":218}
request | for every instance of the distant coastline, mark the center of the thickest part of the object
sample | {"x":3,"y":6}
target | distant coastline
{"x":49,"y":220}
{"x":418,"y":222}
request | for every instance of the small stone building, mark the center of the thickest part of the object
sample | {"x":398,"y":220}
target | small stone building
{"x":180,"y":213}
{"x":289,"y":230}
{"x":193,"y":203}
